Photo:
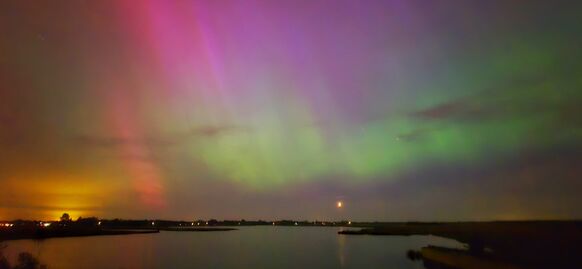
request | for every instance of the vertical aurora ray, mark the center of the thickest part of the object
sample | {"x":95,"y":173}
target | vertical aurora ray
{"x":145,"y":175}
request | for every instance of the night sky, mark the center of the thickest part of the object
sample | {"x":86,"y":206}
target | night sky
{"x":403,"y":110}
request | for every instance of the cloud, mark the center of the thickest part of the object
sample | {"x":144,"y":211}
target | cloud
{"x":102,"y":141}
{"x":159,"y":140}
{"x":524,"y":99}
{"x":414,"y":134}
{"x":213,"y":131}
{"x":457,"y":109}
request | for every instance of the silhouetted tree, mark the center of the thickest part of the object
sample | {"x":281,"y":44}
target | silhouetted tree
{"x":26,"y":261}
{"x":91,"y":221}
{"x":65,"y":217}
{"x":3,"y":261}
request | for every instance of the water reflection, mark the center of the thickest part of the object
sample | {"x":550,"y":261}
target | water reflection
{"x":341,"y":241}
{"x":249,"y":247}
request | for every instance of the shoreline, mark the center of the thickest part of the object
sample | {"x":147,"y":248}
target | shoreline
{"x":41,"y":234}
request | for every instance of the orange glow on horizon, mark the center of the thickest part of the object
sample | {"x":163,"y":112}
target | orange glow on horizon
{"x":46,"y":196}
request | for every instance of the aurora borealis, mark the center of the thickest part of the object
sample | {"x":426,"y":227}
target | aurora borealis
{"x":404,"y":110}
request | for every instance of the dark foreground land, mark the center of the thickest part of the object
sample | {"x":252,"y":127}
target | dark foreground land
{"x":94,"y":227}
{"x":26,"y":229}
{"x":527,"y":244}
{"x":44,"y":233}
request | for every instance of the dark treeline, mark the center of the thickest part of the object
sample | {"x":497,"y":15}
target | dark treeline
{"x":121,"y":223}
{"x":92,"y":226}
{"x":159,"y":223}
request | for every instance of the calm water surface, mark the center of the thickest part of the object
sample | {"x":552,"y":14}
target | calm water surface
{"x":249,"y":247}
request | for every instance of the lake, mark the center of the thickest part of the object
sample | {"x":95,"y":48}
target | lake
{"x":249,"y":247}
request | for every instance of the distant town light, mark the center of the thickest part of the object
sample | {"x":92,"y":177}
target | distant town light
{"x":153,"y":223}
{"x":98,"y":223}
{"x":296,"y":224}
{"x":273,"y":223}
{"x":46,"y":224}
{"x":349,"y":223}
{"x":340,"y":204}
